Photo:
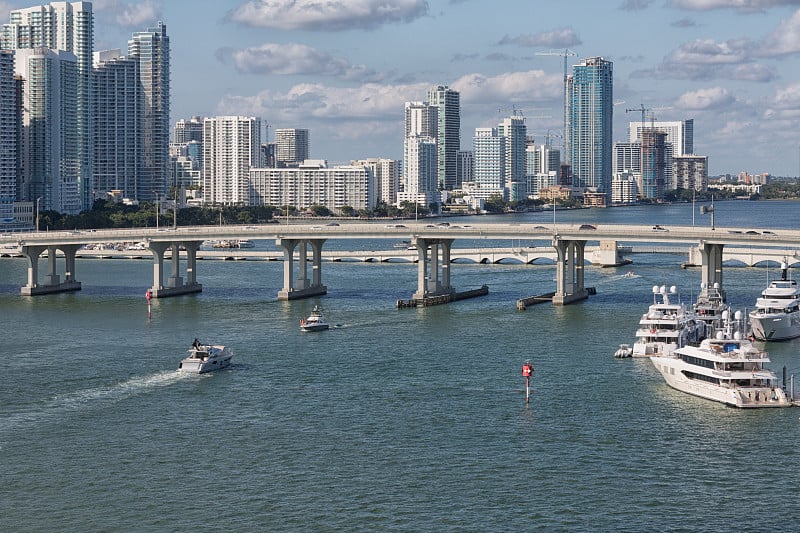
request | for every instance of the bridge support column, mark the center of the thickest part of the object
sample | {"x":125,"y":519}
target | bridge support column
{"x":175,"y":285}
{"x":608,"y":255}
{"x":429,"y":282}
{"x":300,"y":287}
{"x":52,"y":283}
{"x":711,"y":257}
{"x":569,"y":272}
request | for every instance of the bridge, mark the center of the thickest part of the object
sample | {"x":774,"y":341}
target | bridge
{"x":434,"y":252}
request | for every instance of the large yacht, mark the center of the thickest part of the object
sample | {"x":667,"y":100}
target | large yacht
{"x":666,"y":326}
{"x":708,"y":310}
{"x":777,"y":313}
{"x":727,"y":368}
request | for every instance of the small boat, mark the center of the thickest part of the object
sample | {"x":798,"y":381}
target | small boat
{"x":725,"y":368}
{"x":245,"y":243}
{"x":630,"y":274}
{"x":623,"y":351}
{"x":315,"y":321}
{"x":205,"y":358}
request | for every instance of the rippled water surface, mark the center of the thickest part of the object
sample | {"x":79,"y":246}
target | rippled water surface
{"x":409,"y":419}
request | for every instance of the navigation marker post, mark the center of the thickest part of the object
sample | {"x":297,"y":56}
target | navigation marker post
{"x":527,"y":372}
{"x":148,"y":295}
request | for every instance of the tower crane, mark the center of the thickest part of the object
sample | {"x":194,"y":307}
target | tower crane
{"x":643,"y":110}
{"x":565,"y":53}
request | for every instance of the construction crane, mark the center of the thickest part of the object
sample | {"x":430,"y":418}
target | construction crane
{"x":515,"y":111}
{"x":565,"y":53}
{"x":643,"y":110}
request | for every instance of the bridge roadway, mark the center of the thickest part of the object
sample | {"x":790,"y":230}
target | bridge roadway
{"x":434,"y":249}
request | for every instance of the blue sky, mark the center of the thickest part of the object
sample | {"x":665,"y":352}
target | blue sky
{"x":344,"y":68}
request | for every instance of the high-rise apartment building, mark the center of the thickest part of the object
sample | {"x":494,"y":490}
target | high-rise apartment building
{"x":466,"y":166}
{"x":314,"y":183}
{"x":188,"y":130}
{"x":590,"y":116}
{"x":680,"y":133}
{"x":691,"y":172}
{"x":118,"y":139}
{"x":653,"y":164}
{"x":150,"y":48}
{"x":231,"y":147}
{"x":9,"y":129}
{"x":420,"y":153}
{"x":292,"y":147}
{"x":515,"y":133}
{"x":387,"y":177}
{"x":50,"y":158}
{"x":68,"y":27}
{"x":448,"y":136}
{"x":489,"y":149}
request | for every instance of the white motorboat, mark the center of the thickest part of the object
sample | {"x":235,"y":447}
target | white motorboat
{"x":727,"y":368}
{"x":245,"y":243}
{"x":666,"y":326}
{"x":708,"y":310}
{"x":315,"y":321}
{"x":623,"y":351}
{"x":777,"y":313}
{"x":205,"y":358}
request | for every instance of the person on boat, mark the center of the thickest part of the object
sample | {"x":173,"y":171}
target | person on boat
{"x":196,"y":343}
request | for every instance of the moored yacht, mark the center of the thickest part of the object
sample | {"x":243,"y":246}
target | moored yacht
{"x":666,"y":326}
{"x":708,"y":310}
{"x":777,"y":313}
{"x":727,"y":368}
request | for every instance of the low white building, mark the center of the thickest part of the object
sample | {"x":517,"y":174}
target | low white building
{"x":624,"y":188}
{"x":313,"y":183}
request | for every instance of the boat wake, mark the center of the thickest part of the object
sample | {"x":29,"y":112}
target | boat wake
{"x":62,"y":405}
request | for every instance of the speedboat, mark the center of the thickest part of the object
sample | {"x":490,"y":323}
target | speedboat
{"x":245,"y":243}
{"x":623,"y":351}
{"x":205,"y":358}
{"x":315,"y":321}
{"x":777,"y":313}
{"x":727,"y":368}
{"x":666,"y":326}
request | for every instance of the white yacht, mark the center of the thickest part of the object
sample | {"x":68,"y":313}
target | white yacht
{"x":726,"y":368}
{"x":708,"y":310}
{"x":666,"y":326}
{"x":315,"y":321}
{"x":205,"y":358}
{"x":777,"y":313}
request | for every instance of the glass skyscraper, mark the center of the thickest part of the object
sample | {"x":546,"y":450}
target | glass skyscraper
{"x":150,"y":49}
{"x":449,"y":134}
{"x":590,"y":109}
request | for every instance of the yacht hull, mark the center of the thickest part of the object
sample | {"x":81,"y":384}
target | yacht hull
{"x":775,"y":327}
{"x":743,"y":397}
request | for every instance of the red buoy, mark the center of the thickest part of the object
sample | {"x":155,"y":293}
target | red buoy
{"x":527,"y":372}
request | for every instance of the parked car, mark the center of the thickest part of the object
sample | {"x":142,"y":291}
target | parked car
{"x":587,"y":226}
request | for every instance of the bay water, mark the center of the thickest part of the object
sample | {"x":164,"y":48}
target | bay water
{"x":409,"y":420}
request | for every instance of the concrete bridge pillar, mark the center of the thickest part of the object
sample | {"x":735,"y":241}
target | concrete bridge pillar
{"x":711,"y":258}
{"x":569,"y":272}
{"x":300,"y":287}
{"x":52,"y":283}
{"x":429,"y":281}
{"x":175,"y":285}
{"x":608,"y":255}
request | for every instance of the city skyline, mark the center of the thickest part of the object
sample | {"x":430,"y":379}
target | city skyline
{"x":345,"y":75}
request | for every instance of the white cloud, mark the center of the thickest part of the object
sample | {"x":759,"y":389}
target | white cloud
{"x":128,"y":15}
{"x":785,"y":39}
{"x":705,"y":99}
{"x":707,"y":51}
{"x":786,"y":98}
{"x":511,"y":87}
{"x":327,"y":15}
{"x":296,"y":59}
{"x":558,"y":38}
{"x":740,"y":5}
